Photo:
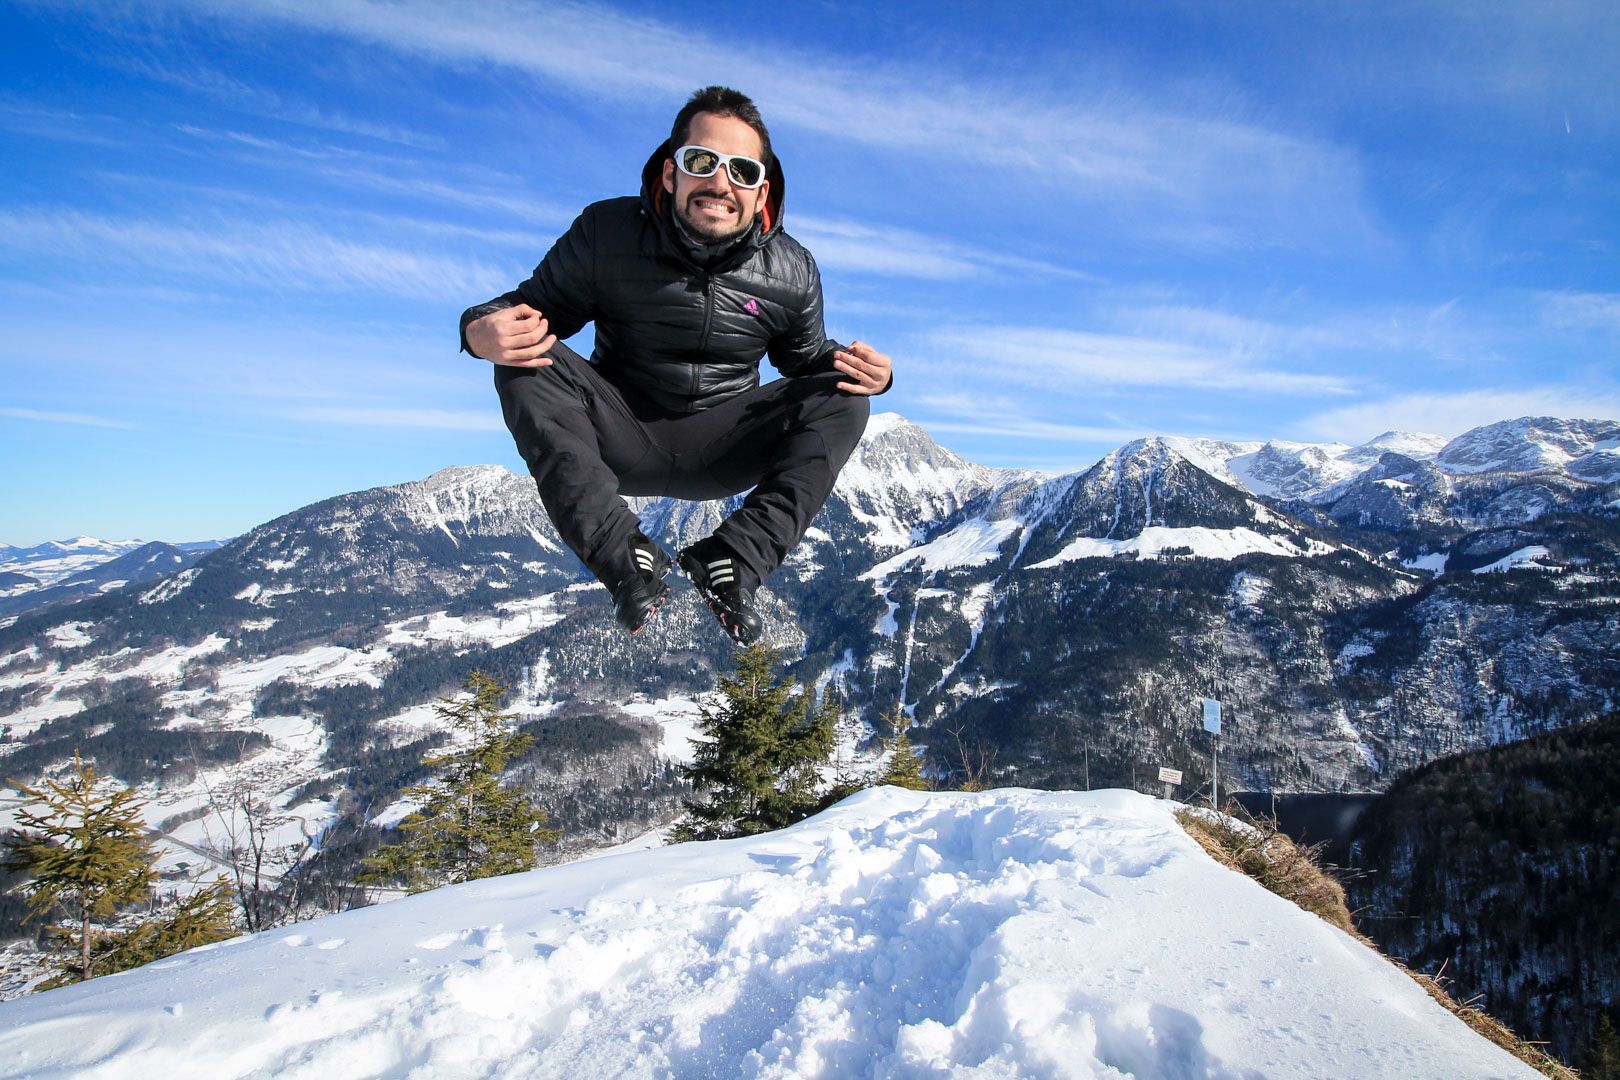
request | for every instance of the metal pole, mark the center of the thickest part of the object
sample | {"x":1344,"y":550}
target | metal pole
{"x":1215,"y":776}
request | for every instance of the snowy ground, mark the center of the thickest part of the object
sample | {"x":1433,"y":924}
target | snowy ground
{"x":900,"y":934}
{"x":678,"y":716}
{"x":1526,"y":558}
{"x":1203,"y":543}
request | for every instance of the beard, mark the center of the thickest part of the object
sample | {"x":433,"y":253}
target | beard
{"x":705,"y":229}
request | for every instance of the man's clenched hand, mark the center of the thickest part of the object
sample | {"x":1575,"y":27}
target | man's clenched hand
{"x":868,"y":368}
{"x":515,"y":336}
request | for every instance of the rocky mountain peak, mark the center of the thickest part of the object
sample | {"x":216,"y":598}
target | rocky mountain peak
{"x":1530,"y":444}
{"x":1412,"y":444}
{"x":899,"y":480}
{"x":1145,"y":483}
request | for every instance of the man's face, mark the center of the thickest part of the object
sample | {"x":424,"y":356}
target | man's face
{"x":711,"y":207}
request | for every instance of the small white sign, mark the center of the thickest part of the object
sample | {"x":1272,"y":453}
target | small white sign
{"x":1212,"y":716}
{"x":1170,"y":776}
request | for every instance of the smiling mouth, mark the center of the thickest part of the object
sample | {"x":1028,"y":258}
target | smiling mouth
{"x":713,"y":205}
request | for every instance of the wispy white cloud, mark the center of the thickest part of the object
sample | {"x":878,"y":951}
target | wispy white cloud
{"x":1551,"y":63}
{"x":227,"y":365}
{"x":528,"y":209}
{"x":1074,"y":361}
{"x":1013,"y":426}
{"x":405,"y":419}
{"x":260,"y":142}
{"x":350,"y":167}
{"x":259,"y":100}
{"x":230,"y":201}
{"x":1581,"y":310}
{"x":1444,"y":331}
{"x":47,"y":417}
{"x":45,"y":122}
{"x":283,"y":255}
{"x":1451,"y":414}
{"x":1004,"y":417}
{"x":1236,"y":180}
{"x":894,"y":252}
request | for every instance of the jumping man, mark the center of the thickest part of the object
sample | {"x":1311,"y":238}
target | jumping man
{"x":690,"y":285}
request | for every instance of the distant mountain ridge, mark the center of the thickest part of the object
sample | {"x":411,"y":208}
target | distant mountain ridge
{"x":1063,"y":620}
{"x":65,"y":570}
{"x":50,"y":562}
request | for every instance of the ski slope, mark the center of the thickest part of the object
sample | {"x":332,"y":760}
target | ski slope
{"x":899,"y":934}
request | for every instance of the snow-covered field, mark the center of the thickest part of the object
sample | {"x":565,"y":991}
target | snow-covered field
{"x":1204,"y":543}
{"x":1526,"y":558}
{"x":972,"y":543}
{"x":678,"y":717}
{"x":900,"y":934}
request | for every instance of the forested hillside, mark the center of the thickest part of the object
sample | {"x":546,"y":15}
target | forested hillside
{"x":1504,"y":865}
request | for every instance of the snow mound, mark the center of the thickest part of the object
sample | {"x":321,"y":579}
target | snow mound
{"x":899,"y":934}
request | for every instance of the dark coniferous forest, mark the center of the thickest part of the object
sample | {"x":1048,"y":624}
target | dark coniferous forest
{"x":1504,"y":865}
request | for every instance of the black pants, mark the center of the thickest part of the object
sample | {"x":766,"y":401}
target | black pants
{"x":587,"y":442}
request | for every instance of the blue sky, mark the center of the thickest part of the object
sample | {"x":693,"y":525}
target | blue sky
{"x":238,"y":235}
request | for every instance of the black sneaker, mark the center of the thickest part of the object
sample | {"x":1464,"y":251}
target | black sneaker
{"x":722,"y":581}
{"x":642,"y":592}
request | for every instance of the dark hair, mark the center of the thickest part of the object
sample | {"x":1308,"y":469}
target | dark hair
{"x":722,"y":101}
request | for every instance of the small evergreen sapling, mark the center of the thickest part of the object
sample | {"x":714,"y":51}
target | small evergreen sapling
{"x":758,"y":765}
{"x":905,"y":765}
{"x":1601,"y":1061}
{"x":85,"y":851}
{"x":468,"y":825}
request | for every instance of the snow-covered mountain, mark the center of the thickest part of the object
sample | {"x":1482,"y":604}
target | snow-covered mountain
{"x":61,"y":571}
{"x":899,"y":934}
{"x":1304,"y":471}
{"x":143,"y":564}
{"x":50,"y":562}
{"x":1580,"y":450}
{"x":1587,"y":449}
{"x":1059,"y":623}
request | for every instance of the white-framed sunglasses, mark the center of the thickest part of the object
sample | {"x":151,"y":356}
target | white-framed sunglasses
{"x":700,"y":161}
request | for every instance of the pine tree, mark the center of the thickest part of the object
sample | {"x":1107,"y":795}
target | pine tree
{"x":1602,"y":1058}
{"x":468,"y":826}
{"x":85,"y":851}
{"x":905,"y":766}
{"x":758,"y":765}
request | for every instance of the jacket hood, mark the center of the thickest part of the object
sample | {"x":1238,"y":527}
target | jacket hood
{"x":653,"y":194}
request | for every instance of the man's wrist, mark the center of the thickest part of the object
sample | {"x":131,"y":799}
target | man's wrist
{"x":473,"y":314}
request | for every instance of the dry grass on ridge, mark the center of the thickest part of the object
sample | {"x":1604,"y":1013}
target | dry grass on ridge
{"x":1255,"y":846}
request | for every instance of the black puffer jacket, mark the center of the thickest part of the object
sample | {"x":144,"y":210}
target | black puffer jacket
{"x":685,"y":336}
